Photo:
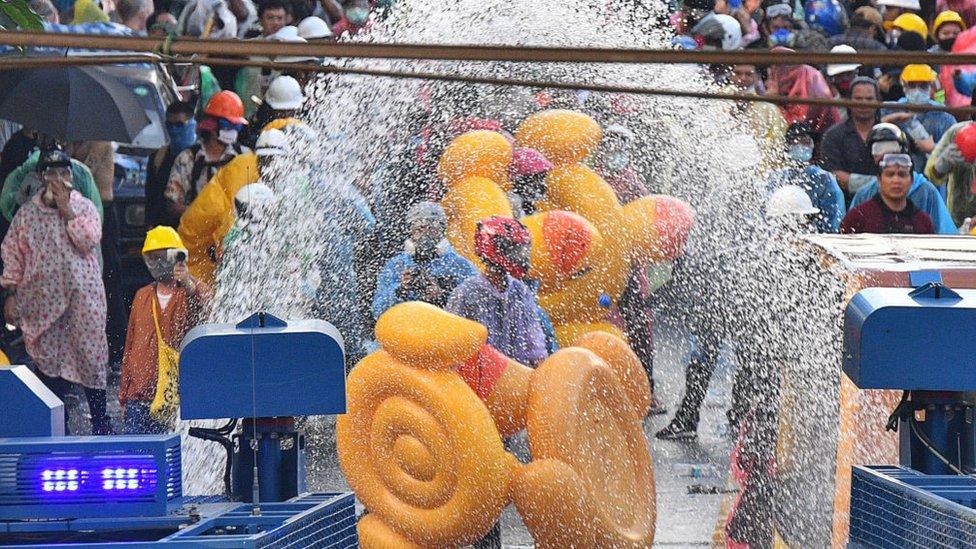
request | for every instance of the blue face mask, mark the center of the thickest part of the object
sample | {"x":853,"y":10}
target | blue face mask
{"x":917,"y":97}
{"x":800,"y":153}
{"x":782,"y":37}
{"x":181,"y":136}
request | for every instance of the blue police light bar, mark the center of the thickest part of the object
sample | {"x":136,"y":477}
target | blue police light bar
{"x":262,"y":367}
{"x":30,"y":409}
{"x":84,"y":477}
{"x":923,"y":339}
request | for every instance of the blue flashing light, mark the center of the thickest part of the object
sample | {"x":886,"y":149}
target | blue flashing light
{"x":132,"y":477}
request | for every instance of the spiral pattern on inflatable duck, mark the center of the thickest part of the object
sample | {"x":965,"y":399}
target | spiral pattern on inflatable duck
{"x":416,"y":444}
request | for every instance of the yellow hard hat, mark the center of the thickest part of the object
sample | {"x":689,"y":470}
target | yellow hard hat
{"x":918,"y":73}
{"x":909,"y":22}
{"x":947,"y":16}
{"x":162,"y":238}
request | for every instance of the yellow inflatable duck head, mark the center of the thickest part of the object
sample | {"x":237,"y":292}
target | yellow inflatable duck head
{"x":585,"y":241}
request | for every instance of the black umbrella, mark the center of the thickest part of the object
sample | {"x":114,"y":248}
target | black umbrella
{"x":72,"y":103}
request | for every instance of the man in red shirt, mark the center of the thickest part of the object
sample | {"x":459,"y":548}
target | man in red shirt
{"x":890,"y":211}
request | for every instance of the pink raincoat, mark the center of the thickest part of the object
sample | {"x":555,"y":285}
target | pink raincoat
{"x":807,"y":82}
{"x":53,"y":267}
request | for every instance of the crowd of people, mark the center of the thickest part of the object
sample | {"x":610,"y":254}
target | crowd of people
{"x":854,"y":170}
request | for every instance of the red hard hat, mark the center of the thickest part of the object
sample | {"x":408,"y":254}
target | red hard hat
{"x":966,"y":141}
{"x":486,"y":242}
{"x":226,"y":105}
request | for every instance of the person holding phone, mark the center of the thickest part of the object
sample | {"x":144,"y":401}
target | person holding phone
{"x":162,"y":313}
{"x":53,"y":285}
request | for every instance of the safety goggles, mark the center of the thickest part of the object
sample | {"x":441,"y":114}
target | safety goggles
{"x":223,"y":124}
{"x":57,"y":172}
{"x":169,"y":255}
{"x":900,"y":159}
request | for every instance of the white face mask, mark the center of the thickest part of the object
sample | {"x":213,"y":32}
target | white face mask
{"x":227,"y":137}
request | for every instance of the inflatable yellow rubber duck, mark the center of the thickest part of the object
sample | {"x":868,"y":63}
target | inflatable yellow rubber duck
{"x":421,"y":443}
{"x":583,"y":240}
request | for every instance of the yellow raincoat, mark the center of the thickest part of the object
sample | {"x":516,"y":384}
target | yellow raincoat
{"x":211,"y":215}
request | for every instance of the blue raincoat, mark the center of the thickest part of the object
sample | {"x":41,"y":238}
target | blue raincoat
{"x":925,"y":197}
{"x":337,"y":298}
{"x":450,"y":264}
{"x":823,"y":190}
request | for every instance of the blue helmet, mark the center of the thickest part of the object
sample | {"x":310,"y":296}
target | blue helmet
{"x":826,"y":15}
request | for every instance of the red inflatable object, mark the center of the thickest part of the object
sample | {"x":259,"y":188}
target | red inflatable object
{"x":965,"y":43}
{"x":966,"y":141}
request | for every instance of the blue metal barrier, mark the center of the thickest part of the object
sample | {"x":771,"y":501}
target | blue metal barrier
{"x":900,"y":508}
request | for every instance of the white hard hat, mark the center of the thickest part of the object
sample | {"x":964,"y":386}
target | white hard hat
{"x":789,"y":200}
{"x":732,"y":38}
{"x":284,"y":94}
{"x":272,"y":143}
{"x":313,"y":27}
{"x":834,"y":70}
{"x":291,"y":36}
{"x":252,"y":202}
{"x":285,"y":34}
{"x":907,"y":4}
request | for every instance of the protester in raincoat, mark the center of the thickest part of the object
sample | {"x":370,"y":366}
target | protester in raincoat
{"x":947,"y":167}
{"x":162,"y":313}
{"x":772,"y":348}
{"x":54,"y":286}
{"x":428,"y":269}
{"x":887,"y":138}
{"x":206,"y":221}
{"x":802,"y":81}
{"x":765,"y":121}
{"x":219,"y":129}
{"x":527,"y":172}
{"x":498,"y":299}
{"x":821,"y":186}
{"x":306,"y":235}
{"x":614,"y":163}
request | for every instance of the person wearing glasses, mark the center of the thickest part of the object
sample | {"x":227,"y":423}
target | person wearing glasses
{"x":890,"y":211}
{"x":53,"y":286}
{"x":218,"y":144}
{"x":886,"y":138}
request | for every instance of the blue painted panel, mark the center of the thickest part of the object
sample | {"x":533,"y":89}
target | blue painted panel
{"x":288,"y":368}
{"x":921,"y":278}
{"x":897,"y":338}
{"x":30,"y":409}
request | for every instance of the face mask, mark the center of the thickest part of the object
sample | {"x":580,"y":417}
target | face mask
{"x":947,"y":44}
{"x":426,"y":248}
{"x":893,"y":35}
{"x":160,"y":268}
{"x":782,"y":37}
{"x":227,"y":137}
{"x":357,"y":16}
{"x":917,"y":97}
{"x":181,"y":136}
{"x":800,"y":153}
{"x":618,"y":161}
